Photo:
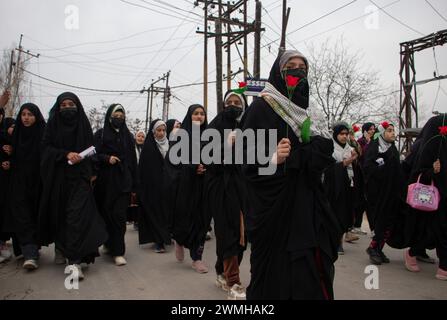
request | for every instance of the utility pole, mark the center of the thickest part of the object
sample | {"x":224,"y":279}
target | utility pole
{"x":257,"y":53}
{"x":285,"y":21}
{"x":166,"y":97}
{"x":218,"y":38}
{"x":150,"y":97}
{"x":205,"y":59}
{"x":228,"y":47}
{"x":15,"y":81}
{"x":231,"y":37}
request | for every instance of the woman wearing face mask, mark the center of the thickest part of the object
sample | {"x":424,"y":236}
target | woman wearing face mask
{"x":25,"y":178}
{"x":225,"y":195}
{"x":383,"y":182}
{"x":6,"y":124}
{"x":339,"y":181}
{"x":191,"y":221}
{"x":294,"y":234}
{"x":132,"y":210}
{"x":68,"y":215}
{"x":153,"y":219}
{"x":117,"y":178}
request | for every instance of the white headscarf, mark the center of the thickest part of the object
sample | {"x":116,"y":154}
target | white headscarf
{"x":163,"y":144}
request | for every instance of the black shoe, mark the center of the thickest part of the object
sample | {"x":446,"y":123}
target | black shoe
{"x":384,"y":257}
{"x":374,"y":256}
{"x":425,"y":258}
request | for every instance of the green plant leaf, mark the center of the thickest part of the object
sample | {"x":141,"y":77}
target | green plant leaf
{"x":305,"y":130}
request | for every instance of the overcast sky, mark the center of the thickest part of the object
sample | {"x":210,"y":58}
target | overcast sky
{"x":118,"y":46}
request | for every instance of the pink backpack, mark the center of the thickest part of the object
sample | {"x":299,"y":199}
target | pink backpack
{"x":423,"y":197}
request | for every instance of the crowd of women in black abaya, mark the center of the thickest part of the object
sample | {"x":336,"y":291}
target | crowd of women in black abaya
{"x":296,"y":220}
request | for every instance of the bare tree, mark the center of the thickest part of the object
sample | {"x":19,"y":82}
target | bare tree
{"x":13,"y":78}
{"x":342,"y":88}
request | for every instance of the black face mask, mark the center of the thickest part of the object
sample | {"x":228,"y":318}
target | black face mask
{"x":298,"y":73}
{"x":232,"y":112}
{"x":301,"y":93}
{"x":68,"y":115}
{"x":118,"y":122}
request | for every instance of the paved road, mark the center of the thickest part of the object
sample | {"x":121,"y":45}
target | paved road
{"x":149,"y":275}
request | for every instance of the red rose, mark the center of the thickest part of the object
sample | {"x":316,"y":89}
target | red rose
{"x":443,"y":131}
{"x":292,"y":81}
{"x":242,"y":84}
{"x":385,"y":125}
{"x":356,"y":128}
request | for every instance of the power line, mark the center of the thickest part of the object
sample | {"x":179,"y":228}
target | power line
{"x":78,"y":87}
{"x":104,"y":42}
{"x":174,"y":7}
{"x":439,"y":14}
{"x":315,"y":20}
{"x":397,"y":20}
{"x":163,"y":13}
{"x":345,"y":23}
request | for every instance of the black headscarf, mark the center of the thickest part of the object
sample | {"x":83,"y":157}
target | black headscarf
{"x":2,"y":113}
{"x":169,"y":126}
{"x":26,"y":140}
{"x":75,"y":136}
{"x":187,"y":121}
{"x":338,"y":128}
{"x":367,"y":126}
{"x":110,"y":143}
{"x":301,"y":94}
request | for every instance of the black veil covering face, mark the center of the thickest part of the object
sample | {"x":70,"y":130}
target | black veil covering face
{"x":115,"y":182}
{"x":292,"y":229}
{"x":190,"y":222}
{"x":25,"y":177}
{"x":153,"y":225}
{"x":277,"y":79}
{"x":68,"y":215}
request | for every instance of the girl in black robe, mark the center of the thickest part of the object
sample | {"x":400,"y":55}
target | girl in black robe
{"x":339,"y":182}
{"x":293,"y":232}
{"x":25,"y":181}
{"x":5,"y":173}
{"x":383,"y":184}
{"x":116,"y":178}
{"x":171,"y":126}
{"x":171,"y":174}
{"x":133,"y":209}
{"x":225,"y":195}
{"x":68,"y":215}
{"x":428,"y":229}
{"x":153,"y":221}
{"x":190,"y":220}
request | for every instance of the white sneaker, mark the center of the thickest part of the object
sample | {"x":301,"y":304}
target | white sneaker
{"x":30,"y":264}
{"x":221,"y":282}
{"x":59,"y":257}
{"x":79,"y":271}
{"x":120,"y":261}
{"x":237,"y":292}
{"x":5,"y":252}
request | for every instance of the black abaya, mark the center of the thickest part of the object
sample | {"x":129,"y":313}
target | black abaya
{"x":427,"y":229}
{"x":153,"y":223}
{"x":190,"y":220}
{"x":68,"y":215}
{"x":226,"y":196}
{"x":115,"y":182}
{"x":294,"y":234}
{"x":25,"y":178}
